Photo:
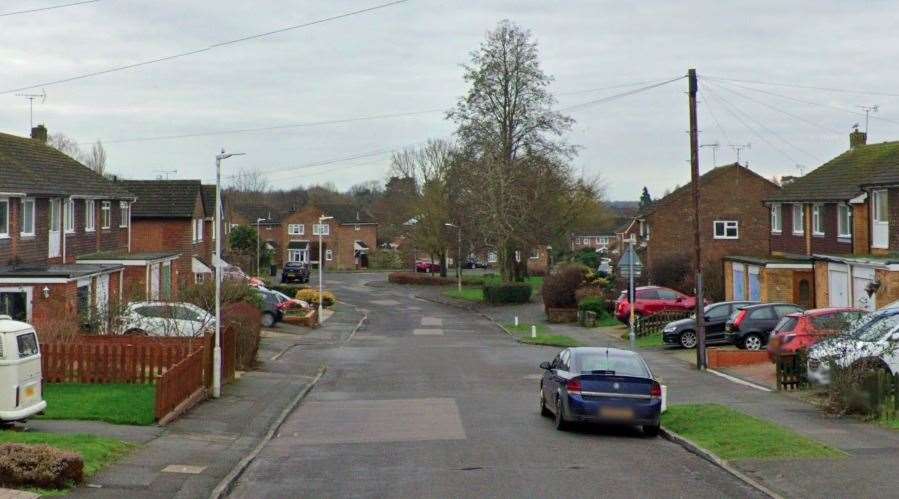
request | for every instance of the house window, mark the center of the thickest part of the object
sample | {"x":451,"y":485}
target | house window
{"x":491,"y":257}
{"x":817,"y":220}
{"x":798,"y":219}
{"x":4,"y":218}
{"x":880,"y":206}
{"x":125,"y":211}
{"x":89,"y":215}
{"x":844,"y":220}
{"x":726,"y":229}
{"x":68,"y":216}
{"x":105,"y":215}
{"x":776,"y":220}
{"x":329,"y":255}
{"x":27,"y":217}
{"x":198,"y":230}
{"x":535,"y":254}
{"x":356,"y":227}
{"x":296,"y":229}
{"x":321,"y":229}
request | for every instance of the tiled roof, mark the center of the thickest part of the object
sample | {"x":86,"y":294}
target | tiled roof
{"x":840,"y":178}
{"x":347,"y":213}
{"x":32,"y":167}
{"x":209,"y":200}
{"x":252,"y":212}
{"x":163,"y":198}
{"x":733,"y":168}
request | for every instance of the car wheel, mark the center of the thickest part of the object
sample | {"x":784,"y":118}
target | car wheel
{"x":268,"y":319}
{"x":651,"y":431}
{"x":135,"y":332}
{"x":559,"y":421}
{"x":544,"y":411}
{"x":752,"y":342}
{"x":688,"y":339}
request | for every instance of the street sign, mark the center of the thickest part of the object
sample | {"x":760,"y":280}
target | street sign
{"x":624,"y":264}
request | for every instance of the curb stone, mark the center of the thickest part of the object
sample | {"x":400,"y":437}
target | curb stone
{"x":717,"y":461}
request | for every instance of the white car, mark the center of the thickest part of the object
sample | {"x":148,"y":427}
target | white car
{"x":151,"y":318}
{"x":875,"y":342}
{"x":21,"y":382}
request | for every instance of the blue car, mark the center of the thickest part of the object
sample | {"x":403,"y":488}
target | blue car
{"x":600,"y":385}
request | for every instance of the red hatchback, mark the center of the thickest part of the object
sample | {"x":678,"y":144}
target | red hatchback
{"x":652,"y":300}
{"x":800,"y":331}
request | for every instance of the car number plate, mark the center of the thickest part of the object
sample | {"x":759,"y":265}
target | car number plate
{"x":29,"y":392}
{"x":619,"y":413}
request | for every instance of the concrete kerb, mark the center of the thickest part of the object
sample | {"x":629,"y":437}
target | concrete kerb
{"x":717,"y":461}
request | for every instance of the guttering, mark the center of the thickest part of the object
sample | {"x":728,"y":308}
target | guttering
{"x":13,"y":195}
{"x":861,"y":198}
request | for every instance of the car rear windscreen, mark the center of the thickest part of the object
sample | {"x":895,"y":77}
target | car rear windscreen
{"x":620,"y":364}
{"x":786,"y":325}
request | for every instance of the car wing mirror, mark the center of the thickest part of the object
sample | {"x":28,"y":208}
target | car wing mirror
{"x":894,"y":336}
{"x":546,"y":366}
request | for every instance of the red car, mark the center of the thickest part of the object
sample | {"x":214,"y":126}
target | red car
{"x":423,"y":266}
{"x":652,"y":300}
{"x":799,"y":331}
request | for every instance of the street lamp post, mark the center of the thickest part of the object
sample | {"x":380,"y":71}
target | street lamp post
{"x":320,"y":264}
{"x":217,"y":351}
{"x":458,"y":255}
{"x":258,"y":253}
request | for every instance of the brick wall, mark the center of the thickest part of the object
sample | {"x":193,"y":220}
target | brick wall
{"x":339,"y":240}
{"x":861,"y":229}
{"x":786,"y":242}
{"x":778,"y":285}
{"x":889,"y":287}
{"x":893,"y":202}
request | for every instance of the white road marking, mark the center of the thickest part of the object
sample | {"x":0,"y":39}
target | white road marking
{"x":431,"y":321}
{"x":386,"y":303}
{"x":427,"y":332}
{"x":738,"y":380}
{"x":183,"y":468}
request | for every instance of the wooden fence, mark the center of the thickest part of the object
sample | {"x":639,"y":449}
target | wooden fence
{"x":790,"y":371}
{"x":181,"y":382}
{"x":651,"y":324}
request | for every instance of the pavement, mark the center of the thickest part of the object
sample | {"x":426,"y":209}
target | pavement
{"x":189,"y":458}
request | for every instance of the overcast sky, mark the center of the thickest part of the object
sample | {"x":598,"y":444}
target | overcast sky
{"x":406,"y":58}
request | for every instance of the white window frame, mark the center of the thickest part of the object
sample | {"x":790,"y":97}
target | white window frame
{"x":491,"y":257}
{"x":4,"y":234}
{"x":26,"y":203}
{"x":90,"y":215}
{"x":844,"y":232}
{"x":535,"y":254}
{"x":329,"y":255}
{"x":800,"y":218}
{"x":817,"y":219}
{"x":725,"y":226}
{"x":878,"y":211}
{"x":776,"y":218}
{"x":321,"y":229}
{"x":296,"y":229}
{"x":68,"y":216}
{"x":106,"y":215}
{"x":198,"y":230}
{"x":125,"y":212}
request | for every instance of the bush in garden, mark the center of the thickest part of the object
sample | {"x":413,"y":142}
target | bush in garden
{"x":511,"y":292}
{"x":385,"y":259}
{"x":233,"y":291}
{"x":587,"y":257}
{"x":39,"y":466}
{"x":311,"y":296}
{"x":418,"y":278}
{"x":593,"y":304}
{"x":560,"y":286}
{"x":287,"y":289}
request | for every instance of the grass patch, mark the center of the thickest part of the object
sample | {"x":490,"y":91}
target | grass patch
{"x":607,"y":320}
{"x":650,"y":341}
{"x":476,"y":294}
{"x":132,"y":404}
{"x":467,"y":294}
{"x":544,"y":336}
{"x":731,"y":434}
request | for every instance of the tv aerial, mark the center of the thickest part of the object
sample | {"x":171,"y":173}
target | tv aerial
{"x":31,"y":98}
{"x":738,"y":148}
{"x":868,"y":110}
{"x":714,"y":145}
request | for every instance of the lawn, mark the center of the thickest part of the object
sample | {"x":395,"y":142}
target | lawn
{"x":544,"y":336}
{"x":467,"y":294}
{"x":730,"y":434}
{"x":476,"y":294}
{"x":650,"y":341}
{"x":132,"y":404}
{"x":608,"y":320}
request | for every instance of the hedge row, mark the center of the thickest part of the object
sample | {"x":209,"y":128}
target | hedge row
{"x":432,"y":279}
{"x":513,"y":292}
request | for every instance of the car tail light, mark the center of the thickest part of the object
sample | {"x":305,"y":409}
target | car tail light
{"x":738,"y":320}
{"x":787,"y":338}
{"x":655,"y":391}
{"x":574,"y":386}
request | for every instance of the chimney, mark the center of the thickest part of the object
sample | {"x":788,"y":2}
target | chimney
{"x":39,"y":133}
{"x":857,"y":138}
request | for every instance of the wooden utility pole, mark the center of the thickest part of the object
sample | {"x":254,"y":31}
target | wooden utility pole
{"x":697,"y":262}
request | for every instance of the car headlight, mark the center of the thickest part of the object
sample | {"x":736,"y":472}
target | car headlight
{"x":670,"y":329}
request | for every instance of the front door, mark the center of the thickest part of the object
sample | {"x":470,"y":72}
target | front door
{"x":739,"y":282}
{"x":755,"y":287}
{"x":880,"y":225}
{"x":54,"y":231}
{"x":838,"y":285}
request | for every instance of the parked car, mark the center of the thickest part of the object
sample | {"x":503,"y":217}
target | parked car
{"x":683,"y":332}
{"x":21,"y":379}
{"x":797,"y":332}
{"x":651,"y":300}
{"x":295,"y":272}
{"x":872,"y":343}
{"x":424,"y":266}
{"x":600,"y":385}
{"x":154,"y":318}
{"x":473,"y":263}
{"x":605,"y":267}
{"x":287,"y":303}
{"x":749,"y":327}
{"x":272,"y":313}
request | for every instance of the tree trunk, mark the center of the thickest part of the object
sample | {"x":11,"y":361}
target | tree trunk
{"x":443,"y":264}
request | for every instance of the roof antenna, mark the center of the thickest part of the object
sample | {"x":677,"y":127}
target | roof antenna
{"x":166,"y":173}
{"x":868,"y":110}
{"x":714,"y":145}
{"x":738,"y":148}
{"x":31,"y":98}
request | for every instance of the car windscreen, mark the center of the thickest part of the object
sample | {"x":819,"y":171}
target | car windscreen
{"x":27,"y":345}
{"x":876,"y":328}
{"x":611,"y":363}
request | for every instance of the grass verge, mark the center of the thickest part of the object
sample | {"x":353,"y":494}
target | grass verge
{"x":730,"y":434}
{"x":608,"y":320}
{"x":131,"y":404}
{"x":476,"y":294}
{"x":544,"y":336}
{"x":650,"y":341}
{"x":467,"y":294}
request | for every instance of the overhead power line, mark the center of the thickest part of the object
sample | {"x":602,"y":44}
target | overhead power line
{"x":41,"y":9}
{"x":621,"y":95}
{"x":201,"y":50}
{"x":807,"y":87}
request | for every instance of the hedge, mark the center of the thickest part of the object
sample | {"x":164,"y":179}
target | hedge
{"x":593,"y":304}
{"x":423,"y":278}
{"x":514,"y":292}
{"x":310,"y":296}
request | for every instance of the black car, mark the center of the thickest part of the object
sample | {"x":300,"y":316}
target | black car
{"x":295,"y":272}
{"x":271,"y":312}
{"x":473,"y":263}
{"x":683,"y":332}
{"x":750,"y":327}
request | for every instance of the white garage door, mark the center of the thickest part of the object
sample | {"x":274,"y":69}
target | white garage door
{"x":838,"y":285}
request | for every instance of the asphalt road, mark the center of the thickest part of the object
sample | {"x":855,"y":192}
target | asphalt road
{"x":430,"y":401}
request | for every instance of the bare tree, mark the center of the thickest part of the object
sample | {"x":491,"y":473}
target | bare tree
{"x":65,"y":144}
{"x":95,"y":159}
{"x":249,"y":181}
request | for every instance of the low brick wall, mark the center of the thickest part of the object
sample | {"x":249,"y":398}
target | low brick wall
{"x":729,"y":358}
{"x":561,"y":315}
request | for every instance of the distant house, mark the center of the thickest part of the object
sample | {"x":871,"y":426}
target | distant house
{"x":596,"y":240}
{"x":833,"y":234}
{"x":266,"y":220}
{"x":347,"y":239}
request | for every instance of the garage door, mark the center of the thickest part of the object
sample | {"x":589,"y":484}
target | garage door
{"x":838,"y":285}
{"x":861,"y":278}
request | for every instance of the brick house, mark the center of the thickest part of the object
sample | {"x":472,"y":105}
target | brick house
{"x":837,"y":225}
{"x":729,"y":225}
{"x":597,"y":240}
{"x":347,"y":239}
{"x":266,"y":221}
{"x":53,"y":209}
{"x":539,"y":259}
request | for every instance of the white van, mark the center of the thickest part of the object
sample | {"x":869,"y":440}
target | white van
{"x":20,"y":371}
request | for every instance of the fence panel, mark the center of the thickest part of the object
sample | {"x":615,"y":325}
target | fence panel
{"x":179,"y":383}
{"x":651,"y":324}
{"x":790,"y":371}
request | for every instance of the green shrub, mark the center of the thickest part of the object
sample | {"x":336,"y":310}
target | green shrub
{"x":587,"y":257}
{"x":310,"y":296}
{"x":593,"y":304}
{"x":385,"y":260}
{"x":560,"y":285}
{"x":513,"y":292}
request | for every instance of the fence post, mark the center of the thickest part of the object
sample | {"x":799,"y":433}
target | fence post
{"x":778,"y":371}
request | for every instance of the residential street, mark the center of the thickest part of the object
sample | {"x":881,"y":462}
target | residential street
{"x":429,"y":400}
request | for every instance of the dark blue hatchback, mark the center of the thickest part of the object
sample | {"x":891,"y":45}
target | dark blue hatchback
{"x":600,"y":385}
